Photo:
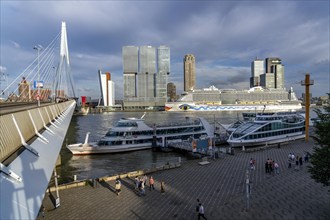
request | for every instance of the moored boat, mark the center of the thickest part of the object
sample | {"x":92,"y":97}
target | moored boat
{"x":269,"y":128}
{"x":253,"y":99}
{"x":130,"y":134}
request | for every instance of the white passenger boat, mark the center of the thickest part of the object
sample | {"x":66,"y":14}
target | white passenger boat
{"x":131,"y":134}
{"x":269,"y":128}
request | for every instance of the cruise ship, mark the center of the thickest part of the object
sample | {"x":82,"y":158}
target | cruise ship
{"x":253,"y":99}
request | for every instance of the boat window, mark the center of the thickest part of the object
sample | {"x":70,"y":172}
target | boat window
{"x":102,"y":143}
{"x":126,"y":124}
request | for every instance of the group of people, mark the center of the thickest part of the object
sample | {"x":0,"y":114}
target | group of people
{"x":298,"y":160}
{"x":141,"y":183}
{"x":272,"y":167}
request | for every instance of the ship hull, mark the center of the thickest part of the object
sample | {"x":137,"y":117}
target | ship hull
{"x":266,"y":141}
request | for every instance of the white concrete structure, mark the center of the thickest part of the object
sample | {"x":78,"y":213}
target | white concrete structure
{"x":107,"y":89}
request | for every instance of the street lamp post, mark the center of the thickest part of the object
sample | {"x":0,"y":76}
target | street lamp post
{"x":37,"y":84}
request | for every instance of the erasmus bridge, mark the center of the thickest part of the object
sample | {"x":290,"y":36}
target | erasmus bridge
{"x":35,"y":112}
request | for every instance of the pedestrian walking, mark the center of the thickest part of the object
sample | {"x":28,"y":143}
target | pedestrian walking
{"x":118,"y":187}
{"x":145,"y":179}
{"x":151,"y":183}
{"x":277,"y":168}
{"x":162,"y":187}
{"x":297,"y":164}
{"x":289,"y":163}
{"x":137,"y":181}
{"x":142,"y":187}
{"x":201,"y":212}
{"x":197,"y":206}
{"x":252,"y":163}
{"x":305,"y":157}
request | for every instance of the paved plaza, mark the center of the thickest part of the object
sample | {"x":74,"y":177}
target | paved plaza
{"x":220,"y":186}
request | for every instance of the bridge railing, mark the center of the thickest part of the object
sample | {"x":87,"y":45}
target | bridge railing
{"x":19,"y":128}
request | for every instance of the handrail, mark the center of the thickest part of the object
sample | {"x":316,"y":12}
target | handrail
{"x":20,"y":127}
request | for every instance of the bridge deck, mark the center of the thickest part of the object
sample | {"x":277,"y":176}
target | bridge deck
{"x":22,"y":198}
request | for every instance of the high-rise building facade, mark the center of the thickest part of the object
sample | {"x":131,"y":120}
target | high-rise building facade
{"x":270,"y":62}
{"x":163,"y":70}
{"x":267,"y":80}
{"x":147,"y":72}
{"x":189,"y":70}
{"x":147,"y":68}
{"x":274,"y":65}
{"x":130,"y":69}
{"x":257,"y":68}
{"x":279,"y":76}
{"x":171,"y":91}
{"x":107,"y":89}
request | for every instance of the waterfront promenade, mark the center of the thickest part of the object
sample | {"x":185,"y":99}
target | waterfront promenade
{"x":219,"y":185}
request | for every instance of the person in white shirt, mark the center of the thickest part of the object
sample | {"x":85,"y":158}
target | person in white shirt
{"x":201,"y":212}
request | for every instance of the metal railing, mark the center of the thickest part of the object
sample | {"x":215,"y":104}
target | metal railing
{"x":17,"y":129}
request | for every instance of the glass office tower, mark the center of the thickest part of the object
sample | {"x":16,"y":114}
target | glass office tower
{"x":146,"y":75}
{"x":130,"y":68}
{"x":257,"y":68}
{"x":163,"y":67}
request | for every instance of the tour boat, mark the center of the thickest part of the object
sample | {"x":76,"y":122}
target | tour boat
{"x":269,"y":128}
{"x":130,"y":134}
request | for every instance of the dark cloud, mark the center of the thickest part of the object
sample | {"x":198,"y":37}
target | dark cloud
{"x":224,"y":36}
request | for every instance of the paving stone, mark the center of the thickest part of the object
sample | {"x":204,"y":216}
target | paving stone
{"x":220,"y":186}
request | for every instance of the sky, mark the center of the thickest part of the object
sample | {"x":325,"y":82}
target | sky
{"x":224,"y":36}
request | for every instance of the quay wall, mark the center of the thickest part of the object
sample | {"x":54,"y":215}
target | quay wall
{"x":132,"y":174}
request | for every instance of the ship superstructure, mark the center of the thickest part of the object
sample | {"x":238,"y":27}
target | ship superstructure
{"x":255,"y":98}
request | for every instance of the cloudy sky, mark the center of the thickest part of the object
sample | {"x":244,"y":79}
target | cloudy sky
{"x":224,"y":36}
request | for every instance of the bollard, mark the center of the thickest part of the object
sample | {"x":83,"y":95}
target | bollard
{"x":94,"y":182}
{"x":74,"y":177}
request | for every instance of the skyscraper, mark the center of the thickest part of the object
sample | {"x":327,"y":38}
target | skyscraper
{"x":270,"y":61}
{"x":131,"y":69}
{"x":147,"y":72}
{"x":189,"y":69}
{"x":107,"y":89}
{"x":163,"y":70}
{"x":279,"y":76}
{"x":257,"y":68}
{"x":171,"y":91}
{"x":147,"y":69}
{"x":267,"y":80}
{"x":274,"y":65}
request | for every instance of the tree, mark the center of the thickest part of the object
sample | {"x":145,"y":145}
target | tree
{"x":320,"y":159}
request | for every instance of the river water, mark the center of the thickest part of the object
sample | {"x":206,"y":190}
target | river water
{"x":94,"y":166}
